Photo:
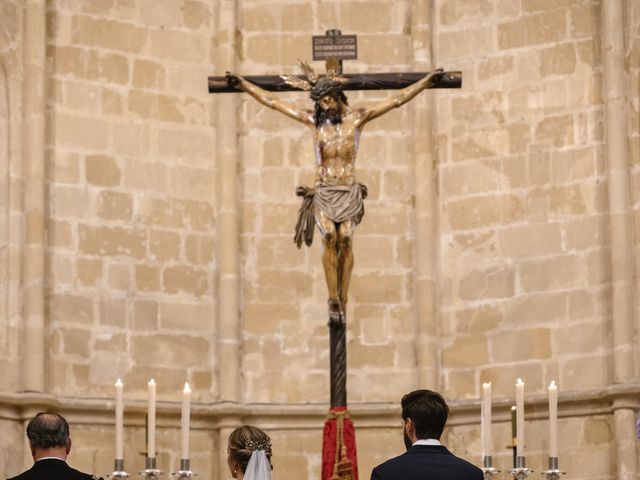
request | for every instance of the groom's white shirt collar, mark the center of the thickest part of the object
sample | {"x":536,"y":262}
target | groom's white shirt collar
{"x":427,"y":441}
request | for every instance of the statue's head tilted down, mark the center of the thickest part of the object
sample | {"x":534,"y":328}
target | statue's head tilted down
{"x":327,"y":92}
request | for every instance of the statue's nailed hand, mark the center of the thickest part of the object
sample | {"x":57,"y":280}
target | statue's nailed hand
{"x":232,"y":79}
{"x":436,"y":76}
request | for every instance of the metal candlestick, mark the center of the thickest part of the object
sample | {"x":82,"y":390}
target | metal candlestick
{"x":118,"y":469}
{"x":185,"y":471}
{"x":487,"y":468}
{"x":553,"y":473}
{"x":150,"y":472}
{"x":521,"y":472}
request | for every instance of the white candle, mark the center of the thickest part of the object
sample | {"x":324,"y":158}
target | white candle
{"x":119,"y":416}
{"x":151,"y":421}
{"x":486,"y":420}
{"x":520,"y":418}
{"x":553,"y":420}
{"x":186,"y":414}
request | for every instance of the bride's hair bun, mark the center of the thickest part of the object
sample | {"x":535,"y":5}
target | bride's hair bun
{"x":244,"y":440}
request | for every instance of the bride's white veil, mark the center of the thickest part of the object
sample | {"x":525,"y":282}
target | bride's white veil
{"x":258,"y":467}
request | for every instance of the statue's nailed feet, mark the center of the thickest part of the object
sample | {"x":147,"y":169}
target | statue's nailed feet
{"x":336,"y":313}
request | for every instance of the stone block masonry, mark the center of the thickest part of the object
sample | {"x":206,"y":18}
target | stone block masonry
{"x":128,"y":250}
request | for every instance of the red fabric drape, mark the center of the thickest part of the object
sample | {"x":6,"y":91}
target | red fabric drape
{"x":339,"y":459}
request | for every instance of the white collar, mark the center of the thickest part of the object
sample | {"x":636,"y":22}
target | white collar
{"x":427,"y":441}
{"x":51,"y":458}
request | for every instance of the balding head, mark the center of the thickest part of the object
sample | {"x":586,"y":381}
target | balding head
{"x":48,"y":434}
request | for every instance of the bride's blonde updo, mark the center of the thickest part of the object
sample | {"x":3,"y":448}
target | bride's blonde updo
{"x":244,"y":440}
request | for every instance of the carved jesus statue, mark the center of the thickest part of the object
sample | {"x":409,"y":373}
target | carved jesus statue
{"x":335,"y":203}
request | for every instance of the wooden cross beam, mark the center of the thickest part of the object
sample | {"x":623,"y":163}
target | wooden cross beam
{"x":340,"y":49}
{"x":368,"y":81}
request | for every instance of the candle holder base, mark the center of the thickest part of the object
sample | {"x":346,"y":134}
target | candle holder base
{"x":521,"y":473}
{"x":150,"y":472}
{"x":487,"y":467}
{"x":553,"y":474}
{"x":118,"y":470}
{"x":185,"y":470}
{"x":118,"y":474}
{"x":490,"y":472}
{"x":184,"y":474}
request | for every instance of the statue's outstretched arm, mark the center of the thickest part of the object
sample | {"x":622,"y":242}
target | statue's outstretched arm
{"x":270,"y":100}
{"x":405,"y":95}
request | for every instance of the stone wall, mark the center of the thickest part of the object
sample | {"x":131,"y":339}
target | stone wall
{"x":484,"y":255}
{"x":524,"y":206}
{"x":132,"y":221}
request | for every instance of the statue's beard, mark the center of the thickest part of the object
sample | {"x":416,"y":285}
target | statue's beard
{"x":321,"y":115}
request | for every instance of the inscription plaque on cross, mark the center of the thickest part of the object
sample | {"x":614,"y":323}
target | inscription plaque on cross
{"x":335,"y":203}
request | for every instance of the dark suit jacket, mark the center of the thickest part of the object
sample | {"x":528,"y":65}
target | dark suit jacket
{"x":52,"y":469}
{"x":427,"y":462}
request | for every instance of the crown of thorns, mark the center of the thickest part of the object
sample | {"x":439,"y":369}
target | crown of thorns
{"x":331,"y":84}
{"x":259,"y":445}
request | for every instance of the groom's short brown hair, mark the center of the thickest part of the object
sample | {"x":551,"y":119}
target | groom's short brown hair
{"x":427,"y":410}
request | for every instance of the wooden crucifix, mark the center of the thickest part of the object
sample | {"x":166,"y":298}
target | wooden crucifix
{"x":335,"y":203}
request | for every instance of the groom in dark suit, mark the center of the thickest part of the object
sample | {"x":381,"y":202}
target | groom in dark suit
{"x":50,"y":443}
{"x":424,"y":414}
